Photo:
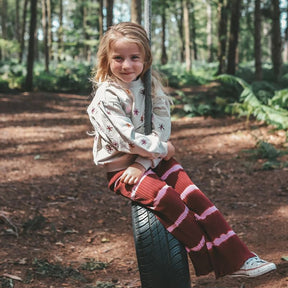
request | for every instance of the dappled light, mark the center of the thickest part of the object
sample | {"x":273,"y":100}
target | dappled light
{"x":55,"y":204}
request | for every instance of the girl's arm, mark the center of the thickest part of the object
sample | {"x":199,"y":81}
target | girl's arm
{"x":134,"y":172}
{"x":109,"y":118}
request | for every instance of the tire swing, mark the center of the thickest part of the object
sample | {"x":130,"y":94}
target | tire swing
{"x":162,"y":259}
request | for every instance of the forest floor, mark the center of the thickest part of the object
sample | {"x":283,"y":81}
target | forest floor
{"x":61,"y":227}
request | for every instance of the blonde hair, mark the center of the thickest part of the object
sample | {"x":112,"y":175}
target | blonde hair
{"x":131,"y":32}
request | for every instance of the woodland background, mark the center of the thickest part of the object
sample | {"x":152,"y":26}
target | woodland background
{"x":51,"y":45}
{"x":225,"y":62}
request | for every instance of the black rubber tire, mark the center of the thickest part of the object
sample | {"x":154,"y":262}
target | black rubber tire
{"x":162,"y":259}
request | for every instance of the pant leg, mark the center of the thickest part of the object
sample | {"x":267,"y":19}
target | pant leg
{"x":172,"y":212}
{"x":227,"y":252}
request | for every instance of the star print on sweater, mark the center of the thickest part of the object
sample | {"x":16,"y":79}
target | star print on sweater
{"x":117,"y":115}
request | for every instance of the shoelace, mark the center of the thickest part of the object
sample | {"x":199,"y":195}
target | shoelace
{"x":254,"y":260}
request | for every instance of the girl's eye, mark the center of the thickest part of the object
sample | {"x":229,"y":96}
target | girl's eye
{"x":117,"y":58}
{"x":135,"y":57}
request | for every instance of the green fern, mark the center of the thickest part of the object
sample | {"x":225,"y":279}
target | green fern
{"x":250,"y":104}
{"x":280,"y":99}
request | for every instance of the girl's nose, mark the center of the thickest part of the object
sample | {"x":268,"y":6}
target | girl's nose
{"x":126,"y":63}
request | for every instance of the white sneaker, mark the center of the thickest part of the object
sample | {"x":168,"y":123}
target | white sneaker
{"x":254,"y":267}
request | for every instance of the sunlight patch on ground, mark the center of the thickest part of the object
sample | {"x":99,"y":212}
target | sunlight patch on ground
{"x":283,"y":211}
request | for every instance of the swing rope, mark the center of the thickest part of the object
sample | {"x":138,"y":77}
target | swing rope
{"x":148,"y":76}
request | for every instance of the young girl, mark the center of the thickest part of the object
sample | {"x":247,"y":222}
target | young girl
{"x":142,"y":168}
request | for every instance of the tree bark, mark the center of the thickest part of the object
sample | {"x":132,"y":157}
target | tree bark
{"x":32,"y":30}
{"x":187,"y":35}
{"x":109,"y":8}
{"x":101,"y":29}
{"x":3,"y":6}
{"x":49,"y":32}
{"x":276,"y":39}
{"x":17,"y":24}
{"x":286,"y":38}
{"x":193,"y":33}
{"x":257,"y":40}
{"x":60,"y":31}
{"x":164,"y":58}
{"x":23,"y":29}
{"x":222,"y":34}
{"x":136,"y":11}
{"x":233,"y":37}
{"x":45,"y":33}
{"x":180,"y":22}
{"x":209,"y":30}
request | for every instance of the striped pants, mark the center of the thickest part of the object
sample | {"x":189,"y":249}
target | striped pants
{"x":189,"y":215}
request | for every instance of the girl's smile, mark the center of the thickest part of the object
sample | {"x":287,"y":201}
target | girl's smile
{"x":127,"y":60}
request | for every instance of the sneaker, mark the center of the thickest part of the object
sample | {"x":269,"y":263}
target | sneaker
{"x":254,"y":267}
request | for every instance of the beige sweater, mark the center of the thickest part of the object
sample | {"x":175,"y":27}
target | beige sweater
{"x":117,"y":115}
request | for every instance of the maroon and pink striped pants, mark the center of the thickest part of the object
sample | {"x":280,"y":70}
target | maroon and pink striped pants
{"x":189,"y":215}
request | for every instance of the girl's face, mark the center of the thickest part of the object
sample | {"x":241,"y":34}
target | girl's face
{"x":127,"y":60}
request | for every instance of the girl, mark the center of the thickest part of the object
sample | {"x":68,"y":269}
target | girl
{"x":142,"y":168}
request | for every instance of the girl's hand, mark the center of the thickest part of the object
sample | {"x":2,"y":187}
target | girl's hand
{"x":133,"y":174}
{"x":171,"y":151}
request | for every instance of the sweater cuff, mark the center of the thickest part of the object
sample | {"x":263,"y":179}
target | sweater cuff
{"x":146,"y":163}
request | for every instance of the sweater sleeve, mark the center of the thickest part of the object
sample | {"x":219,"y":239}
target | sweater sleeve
{"x":109,"y":118}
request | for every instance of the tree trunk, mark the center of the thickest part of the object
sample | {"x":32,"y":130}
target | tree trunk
{"x":109,"y":8}
{"x":193,"y":33}
{"x":60,"y":31}
{"x":209,"y":31}
{"x":45,"y":33}
{"x":23,"y":29}
{"x":164,"y":58}
{"x":233,"y":37}
{"x":276,"y":40}
{"x":32,"y":30}
{"x":180,"y":22}
{"x":49,"y":30}
{"x":222,"y":34}
{"x":101,"y":29}
{"x":136,"y":11}
{"x":257,"y":40}
{"x":187,"y":35}
{"x":17,"y":24}
{"x":3,"y":6}
{"x":286,"y":38}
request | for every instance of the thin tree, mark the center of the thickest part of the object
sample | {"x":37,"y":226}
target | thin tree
{"x":136,"y":11}
{"x":60,"y":31}
{"x":45,"y":33}
{"x":17,"y":23}
{"x":233,"y":35}
{"x":178,"y":12}
{"x":164,"y":57}
{"x":109,"y":9}
{"x":209,"y":31}
{"x":193,"y":32}
{"x":30,"y":60}
{"x":257,"y":40}
{"x":222,"y":34}
{"x":276,"y":40}
{"x":286,"y":37}
{"x":3,"y":6}
{"x":187,"y":34}
{"x":100,"y":12}
{"x":23,"y":30}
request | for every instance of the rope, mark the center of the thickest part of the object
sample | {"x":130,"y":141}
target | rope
{"x":147,"y":76}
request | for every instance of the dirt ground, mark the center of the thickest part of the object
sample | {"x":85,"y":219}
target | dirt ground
{"x":61,"y":227}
